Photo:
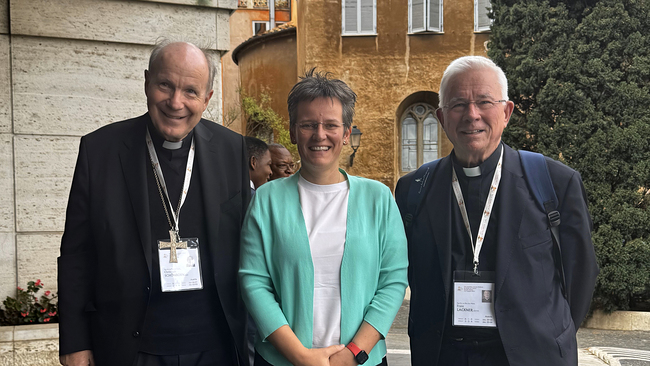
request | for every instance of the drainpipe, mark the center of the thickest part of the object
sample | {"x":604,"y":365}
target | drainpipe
{"x":271,"y":4}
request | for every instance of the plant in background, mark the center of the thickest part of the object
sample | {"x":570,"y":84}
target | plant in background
{"x":28,"y":308}
{"x":264,"y":123}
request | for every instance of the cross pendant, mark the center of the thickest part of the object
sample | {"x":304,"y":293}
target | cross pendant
{"x":174,"y":243}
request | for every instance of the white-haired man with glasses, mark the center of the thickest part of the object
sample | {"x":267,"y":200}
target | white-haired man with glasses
{"x":479,"y":228}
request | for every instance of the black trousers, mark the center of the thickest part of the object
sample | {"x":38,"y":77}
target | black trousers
{"x":259,"y":361}
{"x":206,"y":358}
{"x":472,"y":353}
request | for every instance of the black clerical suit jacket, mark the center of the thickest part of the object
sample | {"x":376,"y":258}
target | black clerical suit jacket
{"x":105,"y":267}
{"x":536,"y":324}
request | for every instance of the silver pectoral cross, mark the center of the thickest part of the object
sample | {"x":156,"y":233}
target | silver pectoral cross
{"x":174,"y":243}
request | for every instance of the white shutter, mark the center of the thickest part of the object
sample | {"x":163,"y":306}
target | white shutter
{"x":417,"y":18}
{"x":350,"y":23}
{"x":435,"y":16}
{"x":367,"y":16}
{"x":481,"y":20}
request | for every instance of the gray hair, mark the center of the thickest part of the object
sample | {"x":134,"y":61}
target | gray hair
{"x":275,"y":145}
{"x":468,"y":63}
{"x":319,"y":85}
{"x":164,"y":42}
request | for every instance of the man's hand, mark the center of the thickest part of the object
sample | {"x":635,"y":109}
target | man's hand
{"x":81,"y":358}
{"x":343,"y":357}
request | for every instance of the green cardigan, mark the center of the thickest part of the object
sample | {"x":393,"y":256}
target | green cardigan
{"x":277,"y":275}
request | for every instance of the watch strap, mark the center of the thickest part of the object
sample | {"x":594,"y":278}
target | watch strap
{"x":354,"y":348}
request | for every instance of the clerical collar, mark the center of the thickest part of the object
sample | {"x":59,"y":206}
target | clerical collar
{"x":160,"y":141}
{"x":472,"y":172}
{"x":485,"y":167}
{"x":172,"y":145}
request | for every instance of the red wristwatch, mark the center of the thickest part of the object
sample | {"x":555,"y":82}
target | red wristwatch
{"x":359,"y":355}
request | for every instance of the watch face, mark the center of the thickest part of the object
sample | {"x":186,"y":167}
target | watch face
{"x":361,"y":357}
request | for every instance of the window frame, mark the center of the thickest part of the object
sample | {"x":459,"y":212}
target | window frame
{"x":358,"y":31}
{"x":428,"y":28}
{"x":477,"y":28}
{"x":419,"y":119}
{"x":267,"y":22}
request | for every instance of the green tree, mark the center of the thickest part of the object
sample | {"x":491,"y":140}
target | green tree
{"x":579,"y":75}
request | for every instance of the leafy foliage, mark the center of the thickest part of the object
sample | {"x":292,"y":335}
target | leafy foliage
{"x":579,"y":75}
{"x":262,"y":122}
{"x":27,"y":308}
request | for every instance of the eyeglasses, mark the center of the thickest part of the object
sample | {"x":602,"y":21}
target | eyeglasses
{"x":461,"y":106}
{"x":285,"y":166}
{"x":313,"y":126}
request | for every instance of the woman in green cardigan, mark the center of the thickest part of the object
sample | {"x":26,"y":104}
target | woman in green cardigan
{"x":323,"y":254}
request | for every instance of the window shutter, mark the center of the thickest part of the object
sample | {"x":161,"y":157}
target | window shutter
{"x":350,"y":17}
{"x":435,"y":16}
{"x":417,"y":11}
{"x":481,"y":20}
{"x":367,"y":16}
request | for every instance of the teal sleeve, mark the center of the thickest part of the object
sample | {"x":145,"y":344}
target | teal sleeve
{"x":393,"y":268}
{"x":255,"y":278}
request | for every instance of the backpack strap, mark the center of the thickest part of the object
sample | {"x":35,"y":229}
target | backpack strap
{"x":539,"y":180}
{"x":417,"y":187}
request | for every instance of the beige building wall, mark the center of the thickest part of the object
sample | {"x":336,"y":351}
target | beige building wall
{"x":241,"y":29}
{"x":270,"y":69}
{"x":68,"y":67}
{"x":385,"y":70}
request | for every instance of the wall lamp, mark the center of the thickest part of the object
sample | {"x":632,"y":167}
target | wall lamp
{"x":355,"y":142}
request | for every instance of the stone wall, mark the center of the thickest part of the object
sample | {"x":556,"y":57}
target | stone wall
{"x":29,"y":345}
{"x":68,"y":67}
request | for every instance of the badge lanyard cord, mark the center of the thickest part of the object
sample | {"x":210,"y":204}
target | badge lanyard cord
{"x":487,"y":211}
{"x":160,"y":182}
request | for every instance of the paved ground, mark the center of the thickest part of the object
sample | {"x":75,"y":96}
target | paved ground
{"x":628,"y":348}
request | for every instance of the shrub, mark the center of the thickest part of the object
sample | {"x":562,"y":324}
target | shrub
{"x":579,"y":75}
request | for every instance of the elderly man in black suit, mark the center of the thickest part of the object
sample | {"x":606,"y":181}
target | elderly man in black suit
{"x":147,"y":272}
{"x":479,"y":230}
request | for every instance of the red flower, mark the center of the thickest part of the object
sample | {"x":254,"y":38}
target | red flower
{"x":19,"y":289}
{"x":47,"y":293}
{"x":38,"y":282}
{"x":46,"y":320}
{"x":24,"y":314}
{"x":43,"y":310}
{"x":52,"y":313}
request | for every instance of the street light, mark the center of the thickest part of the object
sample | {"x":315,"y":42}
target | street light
{"x":355,"y":142}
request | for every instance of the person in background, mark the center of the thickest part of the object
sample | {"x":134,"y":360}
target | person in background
{"x":282,"y":161}
{"x":323,"y":253}
{"x":259,"y":162}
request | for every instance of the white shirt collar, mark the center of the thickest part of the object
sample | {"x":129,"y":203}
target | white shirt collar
{"x":472,"y":172}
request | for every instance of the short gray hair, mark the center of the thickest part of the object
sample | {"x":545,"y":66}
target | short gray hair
{"x":164,"y":42}
{"x":469,"y":63}
{"x":319,"y":85}
{"x":275,"y":145}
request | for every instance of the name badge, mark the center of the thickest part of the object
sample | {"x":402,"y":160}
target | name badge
{"x":474,"y":299}
{"x":180,"y":265}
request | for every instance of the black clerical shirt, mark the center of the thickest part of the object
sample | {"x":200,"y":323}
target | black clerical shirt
{"x":475,"y":193}
{"x":186,"y":321}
